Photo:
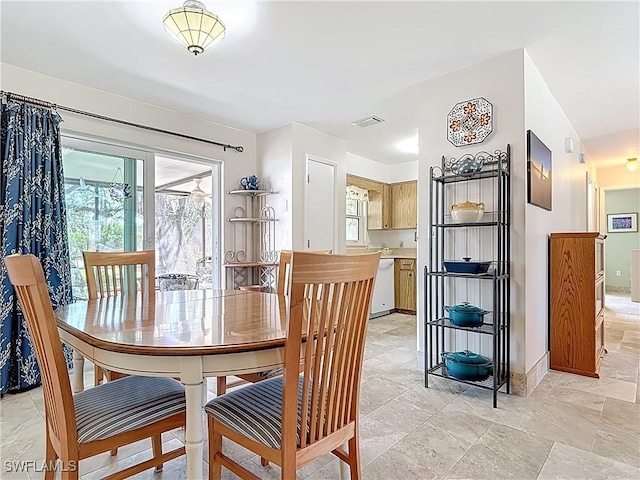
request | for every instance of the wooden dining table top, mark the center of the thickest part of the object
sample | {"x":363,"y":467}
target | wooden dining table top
{"x":184,"y":322}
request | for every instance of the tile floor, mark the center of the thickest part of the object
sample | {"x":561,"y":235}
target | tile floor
{"x":570,"y":427}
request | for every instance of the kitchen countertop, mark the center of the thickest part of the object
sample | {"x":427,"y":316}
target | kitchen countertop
{"x":408,"y":253}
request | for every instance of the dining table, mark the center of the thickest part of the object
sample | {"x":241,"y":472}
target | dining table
{"x":186,"y":334}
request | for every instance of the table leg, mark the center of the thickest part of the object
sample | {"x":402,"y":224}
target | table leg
{"x":78,"y":372}
{"x":192,"y":379}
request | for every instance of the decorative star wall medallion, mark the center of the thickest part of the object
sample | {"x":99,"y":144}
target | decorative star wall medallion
{"x":470,"y":122}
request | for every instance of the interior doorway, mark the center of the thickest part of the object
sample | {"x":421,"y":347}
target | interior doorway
{"x":320,"y":198}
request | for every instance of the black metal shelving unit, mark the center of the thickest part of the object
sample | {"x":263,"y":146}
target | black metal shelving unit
{"x":491,"y":290}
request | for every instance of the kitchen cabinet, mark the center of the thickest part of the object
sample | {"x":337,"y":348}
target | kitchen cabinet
{"x":405,"y":285}
{"x":379,"y":208}
{"x":390,"y":206}
{"x":404,"y":205}
{"x":576,"y":311}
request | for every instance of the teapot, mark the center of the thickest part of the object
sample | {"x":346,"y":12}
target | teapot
{"x":249,"y":183}
{"x":467,"y":212}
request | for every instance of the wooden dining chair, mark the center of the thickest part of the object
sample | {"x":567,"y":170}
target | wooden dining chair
{"x":111,"y":274}
{"x":296,"y":418}
{"x":282,"y":288}
{"x":101,"y":418}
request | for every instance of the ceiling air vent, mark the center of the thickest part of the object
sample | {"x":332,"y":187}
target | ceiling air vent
{"x":365,"y":122}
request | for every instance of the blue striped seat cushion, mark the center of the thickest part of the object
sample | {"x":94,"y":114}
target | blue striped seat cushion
{"x":255,"y":411}
{"x":126,"y":404}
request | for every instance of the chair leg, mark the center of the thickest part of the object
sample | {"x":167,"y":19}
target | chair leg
{"x":156,"y":446}
{"x":354,"y":457}
{"x":288,"y":467}
{"x":50,"y":459}
{"x":98,"y":375}
{"x":221,"y":387}
{"x":113,"y":452}
{"x":70,"y":470}
{"x":215,"y":447}
{"x":111,"y":376}
{"x":264,"y":462}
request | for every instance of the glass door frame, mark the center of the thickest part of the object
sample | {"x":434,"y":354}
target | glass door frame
{"x":147,"y":155}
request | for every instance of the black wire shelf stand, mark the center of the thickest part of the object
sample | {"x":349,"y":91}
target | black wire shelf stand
{"x":491,"y":290}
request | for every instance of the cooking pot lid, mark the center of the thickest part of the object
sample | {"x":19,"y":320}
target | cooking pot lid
{"x":465,"y":308}
{"x":467,"y":357}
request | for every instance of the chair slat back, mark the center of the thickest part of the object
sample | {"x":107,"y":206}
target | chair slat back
{"x":111,"y":274}
{"x":25,"y":273}
{"x":330,"y":295}
{"x":284,"y":270}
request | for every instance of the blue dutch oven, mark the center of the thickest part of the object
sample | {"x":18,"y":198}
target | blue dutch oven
{"x":467,"y":365}
{"x":466,"y":315}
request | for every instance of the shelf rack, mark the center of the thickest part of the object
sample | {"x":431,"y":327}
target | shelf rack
{"x":488,"y":238}
{"x":253,"y":259}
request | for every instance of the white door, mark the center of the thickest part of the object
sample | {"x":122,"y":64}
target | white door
{"x":320,"y":211}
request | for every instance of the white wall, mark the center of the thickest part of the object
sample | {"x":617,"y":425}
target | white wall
{"x":617,"y":176}
{"x":275,"y":170}
{"x":381,"y":172}
{"x":544,"y":116}
{"x":282,"y":159}
{"x":61,"y":92}
{"x":308,"y":141}
{"x":521,"y":100}
{"x":500,"y":81}
{"x":403,"y":172}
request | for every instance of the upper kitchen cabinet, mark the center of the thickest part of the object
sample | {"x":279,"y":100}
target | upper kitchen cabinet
{"x":390,"y":206}
{"x":379,"y":204}
{"x":379,"y":208}
{"x":404,"y":205}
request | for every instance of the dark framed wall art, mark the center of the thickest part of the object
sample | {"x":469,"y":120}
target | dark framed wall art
{"x":538,"y":172}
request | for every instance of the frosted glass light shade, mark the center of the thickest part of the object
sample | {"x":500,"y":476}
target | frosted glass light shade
{"x":194,"y":27}
{"x":632,"y":164}
{"x":197,"y":194}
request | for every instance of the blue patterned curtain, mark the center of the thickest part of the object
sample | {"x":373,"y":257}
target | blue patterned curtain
{"x":32,"y":220}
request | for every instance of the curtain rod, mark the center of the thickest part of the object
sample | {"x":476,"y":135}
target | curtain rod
{"x":42,"y":103}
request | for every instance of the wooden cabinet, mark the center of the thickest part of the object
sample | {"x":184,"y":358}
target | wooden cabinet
{"x":390,"y":206}
{"x":379,"y":205}
{"x":405,"y":284}
{"x":379,"y":208}
{"x":404,"y":205}
{"x":577,"y":299}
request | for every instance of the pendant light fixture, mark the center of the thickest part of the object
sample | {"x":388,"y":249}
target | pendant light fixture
{"x":197,"y":194}
{"x":632,"y":164}
{"x":194,"y":26}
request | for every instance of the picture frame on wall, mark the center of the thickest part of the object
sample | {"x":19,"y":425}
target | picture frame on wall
{"x":622,"y":222}
{"x":539,"y":184}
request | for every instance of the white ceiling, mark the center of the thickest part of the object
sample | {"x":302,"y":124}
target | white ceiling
{"x":325,"y":64}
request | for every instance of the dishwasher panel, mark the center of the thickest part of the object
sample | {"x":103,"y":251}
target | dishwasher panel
{"x":383,"y":295}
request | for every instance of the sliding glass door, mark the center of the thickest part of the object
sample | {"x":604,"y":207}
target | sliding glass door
{"x":124,"y":199}
{"x":104,"y":193}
